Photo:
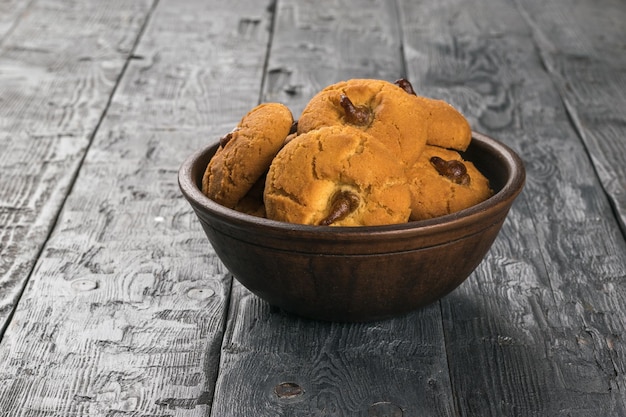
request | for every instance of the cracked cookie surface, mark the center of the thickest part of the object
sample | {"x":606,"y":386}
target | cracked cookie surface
{"x":446,"y":126}
{"x":380,"y":108}
{"x":245,"y":153}
{"x":442,"y":182}
{"x":337,"y":176}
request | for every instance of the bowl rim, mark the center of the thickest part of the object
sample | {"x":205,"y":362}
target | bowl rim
{"x":503,"y":197}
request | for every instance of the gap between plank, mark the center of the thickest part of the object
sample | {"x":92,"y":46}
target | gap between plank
{"x":229,"y":315}
{"x":271,"y":8}
{"x":74,"y":177}
{"x":539,"y":40}
{"x":398,"y":16}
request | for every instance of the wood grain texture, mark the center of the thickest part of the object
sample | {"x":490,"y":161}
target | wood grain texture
{"x":583,"y":46}
{"x":59,"y":64}
{"x":128,"y":312}
{"x":11,"y":12}
{"x":332,"y":369}
{"x":535,"y":331}
{"x":125,"y":309}
{"x":385,"y":368}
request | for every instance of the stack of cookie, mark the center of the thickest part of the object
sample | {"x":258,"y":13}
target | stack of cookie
{"x":363,"y":153}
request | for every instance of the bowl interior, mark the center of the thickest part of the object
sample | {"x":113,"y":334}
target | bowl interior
{"x":501,"y":165}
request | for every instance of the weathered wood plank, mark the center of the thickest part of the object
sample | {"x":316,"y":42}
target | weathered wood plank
{"x":584,"y":49}
{"x":535,"y":331}
{"x":124,"y":312}
{"x":274,"y":363}
{"x":115,"y":323}
{"x":384,"y":368}
{"x":58,"y":65}
{"x":11,"y":12}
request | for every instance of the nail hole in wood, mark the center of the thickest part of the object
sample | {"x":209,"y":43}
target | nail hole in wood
{"x":200,"y":293}
{"x":84,"y":285}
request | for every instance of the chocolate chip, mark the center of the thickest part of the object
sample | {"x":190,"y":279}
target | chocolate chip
{"x":454,"y":170}
{"x":356,"y":115}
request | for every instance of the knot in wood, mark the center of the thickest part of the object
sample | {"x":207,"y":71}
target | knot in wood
{"x":288,"y":390}
{"x":384,"y":409}
{"x":84,"y":285}
{"x":200,"y":293}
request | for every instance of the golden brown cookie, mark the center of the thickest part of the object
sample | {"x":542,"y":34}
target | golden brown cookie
{"x":442,"y":183}
{"x":377,"y":107}
{"x":245,"y":153}
{"x":338,"y":176}
{"x":447,"y":127}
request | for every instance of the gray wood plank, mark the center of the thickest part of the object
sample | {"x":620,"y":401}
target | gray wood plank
{"x":584,"y":49}
{"x":59,"y":64}
{"x":535,"y":331}
{"x":383,"y":368}
{"x":274,"y":363}
{"x":125,"y":310}
{"x":11,"y":12}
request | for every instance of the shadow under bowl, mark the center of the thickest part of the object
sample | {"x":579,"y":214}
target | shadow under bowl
{"x":356,"y":274}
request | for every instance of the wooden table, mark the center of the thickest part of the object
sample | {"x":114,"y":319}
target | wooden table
{"x":112,"y":302}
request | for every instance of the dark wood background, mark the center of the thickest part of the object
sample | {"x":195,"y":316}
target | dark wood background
{"x":112,"y":302}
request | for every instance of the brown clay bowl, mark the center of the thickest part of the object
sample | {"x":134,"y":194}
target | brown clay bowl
{"x":358,"y":273}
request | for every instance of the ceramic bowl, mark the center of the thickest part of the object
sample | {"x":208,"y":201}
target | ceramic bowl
{"x":358,"y":273}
